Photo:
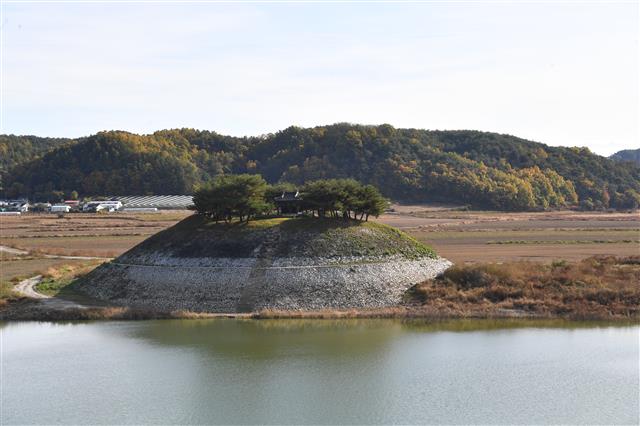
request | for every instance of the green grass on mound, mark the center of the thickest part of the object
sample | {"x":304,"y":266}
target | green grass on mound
{"x":284,"y":237}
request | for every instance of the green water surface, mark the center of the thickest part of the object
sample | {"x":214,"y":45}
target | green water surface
{"x":319,"y":372}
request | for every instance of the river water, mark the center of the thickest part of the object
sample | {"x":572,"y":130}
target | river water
{"x":320,"y":372}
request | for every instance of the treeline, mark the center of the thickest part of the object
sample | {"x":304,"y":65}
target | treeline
{"x":484,"y":170}
{"x":246,"y":196}
{"x":627,"y":155}
{"x":16,"y":150}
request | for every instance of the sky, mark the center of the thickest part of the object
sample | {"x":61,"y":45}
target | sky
{"x":561,"y":73}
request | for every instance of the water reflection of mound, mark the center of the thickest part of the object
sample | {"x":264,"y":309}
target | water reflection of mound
{"x":273,"y":338}
{"x":343,"y":337}
{"x":284,"y":371}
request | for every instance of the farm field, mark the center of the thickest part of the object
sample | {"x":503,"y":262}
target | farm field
{"x":82,"y":234}
{"x":467,"y":237}
{"x":94,"y":235}
{"x":16,"y":267}
{"x":77,"y":245}
{"x":461,"y":236}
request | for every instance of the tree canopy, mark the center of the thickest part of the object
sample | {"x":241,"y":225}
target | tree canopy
{"x":627,"y":155}
{"x":343,"y":197}
{"x":247,"y":196}
{"x":484,"y":170}
{"x":229,"y":196}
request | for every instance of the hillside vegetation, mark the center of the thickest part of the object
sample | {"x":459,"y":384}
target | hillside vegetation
{"x":627,"y":155}
{"x":485,"y":170}
{"x":16,"y":150}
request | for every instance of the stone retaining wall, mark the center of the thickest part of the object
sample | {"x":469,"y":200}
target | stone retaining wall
{"x":253,"y":284}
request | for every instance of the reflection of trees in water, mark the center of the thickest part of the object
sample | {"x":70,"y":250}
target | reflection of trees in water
{"x":307,"y":370}
{"x":265,"y":339}
{"x":300,"y":371}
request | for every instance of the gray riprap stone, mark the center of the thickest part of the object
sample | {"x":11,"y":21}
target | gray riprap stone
{"x":163,"y":282}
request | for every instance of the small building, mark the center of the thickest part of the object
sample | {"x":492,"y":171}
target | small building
{"x":98,"y":206}
{"x":160,"y":202}
{"x":20,"y":205}
{"x":60,"y":208}
{"x":289,"y":202}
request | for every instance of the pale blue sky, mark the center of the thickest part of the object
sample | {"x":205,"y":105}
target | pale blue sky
{"x":562,"y":74}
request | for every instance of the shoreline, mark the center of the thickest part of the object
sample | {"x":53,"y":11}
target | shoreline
{"x":35,"y":310}
{"x":597,"y":288}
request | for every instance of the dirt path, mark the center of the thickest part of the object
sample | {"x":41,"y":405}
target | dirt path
{"x":11,"y":250}
{"x":26,"y":288}
{"x":56,"y":256}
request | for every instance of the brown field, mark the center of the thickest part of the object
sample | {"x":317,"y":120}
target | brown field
{"x":95,"y":246}
{"x":468,"y":237}
{"x":99,"y":235}
{"x":462,"y":236}
{"x":24,"y":268}
{"x":95,"y":235}
{"x":87,"y":224}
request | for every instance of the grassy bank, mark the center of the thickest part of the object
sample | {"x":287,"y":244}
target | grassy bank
{"x":7,"y":295}
{"x":305,"y":237}
{"x":55,"y":281}
{"x":600,"y":287}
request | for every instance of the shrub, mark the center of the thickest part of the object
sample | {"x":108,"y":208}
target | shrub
{"x":595,"y":287}
{"x":466,"y":277}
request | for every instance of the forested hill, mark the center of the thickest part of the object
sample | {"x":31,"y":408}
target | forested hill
{"x":632,"y":155}
{"x":20,"y":149}
{"x":486,"y":170}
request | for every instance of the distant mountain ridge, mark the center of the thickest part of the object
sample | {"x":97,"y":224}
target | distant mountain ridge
{"x":486,"y":170}
{"x":632,"y":155}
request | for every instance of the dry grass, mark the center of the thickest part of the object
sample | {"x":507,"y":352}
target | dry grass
{"x":543,"y":236}
{"x":55,"y":280}
{"x":26,"y":310}
{"x":15,"y":270}
{"x":83,"y":234}
{"x":104,"y":246}
{"x":601,"y":287}
{"x":7,"y":295}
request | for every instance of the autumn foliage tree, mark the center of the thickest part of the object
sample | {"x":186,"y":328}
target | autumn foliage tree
{"x":480,"y":169}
